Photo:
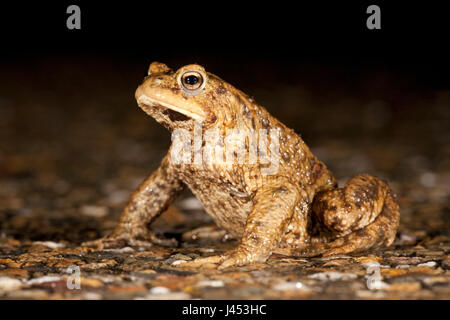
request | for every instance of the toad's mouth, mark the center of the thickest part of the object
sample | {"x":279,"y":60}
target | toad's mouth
{"x":187,"y":108}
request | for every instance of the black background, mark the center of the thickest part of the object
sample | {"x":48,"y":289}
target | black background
{"x":412,"y":39}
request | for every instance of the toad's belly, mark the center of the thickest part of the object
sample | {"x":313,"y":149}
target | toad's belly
{"x":227,"y":207}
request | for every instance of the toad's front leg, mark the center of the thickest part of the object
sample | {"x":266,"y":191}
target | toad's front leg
{"x":146,"y":204}
{"x":273,"y":207}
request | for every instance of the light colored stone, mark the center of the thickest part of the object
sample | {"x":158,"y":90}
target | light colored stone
{"x":211,"y":283}
{"x":50,"y":244}
{"x":43,"y":279}
{"x":288,"y":286}
{"x":332,"y":276}
{"x":94,"y":211}
{"x":10,"y":284}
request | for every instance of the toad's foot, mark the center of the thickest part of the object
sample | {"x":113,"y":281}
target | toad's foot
{"x":206,"y":262}
{"x":234,"y":258}
{"x":138,"y":238}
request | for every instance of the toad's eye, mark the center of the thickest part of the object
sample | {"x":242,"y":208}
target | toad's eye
{"x":192,"y":80}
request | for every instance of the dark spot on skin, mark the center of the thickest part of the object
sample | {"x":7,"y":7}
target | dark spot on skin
{"x":213,"y":118}
{"x":221,"y":89}
{"x":281,"y":190}
{"x":285,"y":156}
{"x":358,"y":220}
{"x":161,"y":186}
{"x":221,"y":204}
{"x":265,"y":122}
{"x":337,"y":221}
{"x":367,"y":193}
{"x":239,"y":99}
{"x":175,"y":116}
{"x":248,"y":114}
{"x":317,"y":170}
{"x":164,"y":165}
{"x":373,"y":191}
{"x":306,"y":199}
{"x":260,"y":224}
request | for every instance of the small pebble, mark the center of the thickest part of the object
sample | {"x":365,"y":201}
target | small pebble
{"x":121,"y":250}
{"x":94,"y":211}
{"x":371,"y":264}
{"x":332,"y":276}
{"x":9,"y":284}
{"x":404,"y":237}
{"x":159,"y":290}
{"x":403,"y":266}
{"x":191,"y":203}
{"x":168,"y":296}
{"x":43,"y":279}
{"x":50,"y":244}
{"x":118,"y":197}
{"x":287,"y":286}
{"x":430,"y":264}
{"x":177,"y":262}
{"x":211,"y":283}
{"x":428,"y":179}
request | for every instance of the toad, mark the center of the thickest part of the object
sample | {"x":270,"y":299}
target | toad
{"x":296,"y":207}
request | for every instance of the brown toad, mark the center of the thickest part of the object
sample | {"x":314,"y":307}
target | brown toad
{"x":296,"y":208}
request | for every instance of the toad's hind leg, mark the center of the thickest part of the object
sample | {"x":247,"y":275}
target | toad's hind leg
{"x":360,"y":216}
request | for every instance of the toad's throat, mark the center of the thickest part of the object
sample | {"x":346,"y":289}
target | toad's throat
{"x":189,"y":109}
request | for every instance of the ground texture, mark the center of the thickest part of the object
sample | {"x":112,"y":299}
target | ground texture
{"x":74,"y":146}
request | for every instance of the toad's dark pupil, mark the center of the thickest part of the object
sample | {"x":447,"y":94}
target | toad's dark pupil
{"x":191,"y":80}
